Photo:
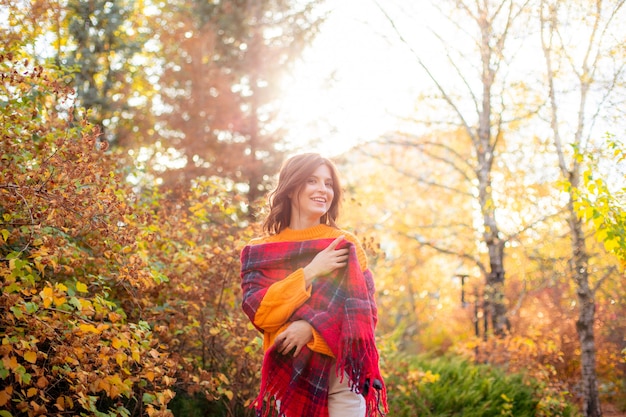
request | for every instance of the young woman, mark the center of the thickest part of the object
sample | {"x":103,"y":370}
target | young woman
{"x":307,"y":288}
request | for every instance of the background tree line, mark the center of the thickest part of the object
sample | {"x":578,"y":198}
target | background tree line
{"x":139,"y":138}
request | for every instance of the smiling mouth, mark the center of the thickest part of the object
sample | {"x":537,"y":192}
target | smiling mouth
{"x":319,"y":200}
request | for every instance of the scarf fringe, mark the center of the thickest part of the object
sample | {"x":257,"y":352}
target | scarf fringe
{"x":359,"y":361}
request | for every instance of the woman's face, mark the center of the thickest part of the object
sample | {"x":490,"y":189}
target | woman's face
{"x":314,"y":197}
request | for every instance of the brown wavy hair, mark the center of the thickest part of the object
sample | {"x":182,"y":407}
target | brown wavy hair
{"x":292,"y":177}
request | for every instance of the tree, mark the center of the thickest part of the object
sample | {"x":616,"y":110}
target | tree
{"x":102,"y":42}
{"x":481,"y":113}
{"x":220,"y":84}
{"x":592,"y":59}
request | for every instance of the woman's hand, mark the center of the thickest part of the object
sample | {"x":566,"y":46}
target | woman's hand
{"x":295,"y":336}
{"x":326,"y":261}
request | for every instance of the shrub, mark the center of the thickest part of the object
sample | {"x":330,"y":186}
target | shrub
{"x":453,"y":386}
{"x":70,"y":343}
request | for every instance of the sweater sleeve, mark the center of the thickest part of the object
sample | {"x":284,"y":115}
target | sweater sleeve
{"x":319,"y":345}
{"x":280,"y":301}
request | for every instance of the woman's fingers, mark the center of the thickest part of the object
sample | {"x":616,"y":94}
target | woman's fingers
{"x":327,"y":260}
{"x":335,"y":242}
{"x":294,"y":338}
{"x":283,"y":344}
{"x":298,"y":349}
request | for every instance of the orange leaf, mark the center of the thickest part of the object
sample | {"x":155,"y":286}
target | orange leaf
{"x":60,"y":403}
{"x":114,"y":317}
{"x":32,"y":391}
{"x":10,"y":362}
{"x":42,"y":382}
{"x":5,"y":396}
{"x":119,"y":343}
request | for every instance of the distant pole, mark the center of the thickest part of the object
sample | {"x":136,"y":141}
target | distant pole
{"x":463,"y":301}
{"x":463,"y":277}
{"x":476,"y":308}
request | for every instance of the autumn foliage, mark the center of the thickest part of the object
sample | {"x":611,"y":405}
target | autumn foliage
{"x":120,"y":281}
{"x":108,"y":301}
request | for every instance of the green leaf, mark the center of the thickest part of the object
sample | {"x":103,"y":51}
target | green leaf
{"x":31,"y":307}
{"x":3,"y":371}
{"x":76,"y":303}
{"x":17,"y":312}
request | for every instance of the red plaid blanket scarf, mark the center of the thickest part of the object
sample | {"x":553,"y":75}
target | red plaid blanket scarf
{"x":341,"y":308}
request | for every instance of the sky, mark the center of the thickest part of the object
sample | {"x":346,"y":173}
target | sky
{"x":353,"y":82}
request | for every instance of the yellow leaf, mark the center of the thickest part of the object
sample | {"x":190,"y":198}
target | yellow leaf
{"x":229,"y":394}
{"x":81,"y":287}
{"x":86,"y":305}
{"x":32,"y":391}
{"x":30,"y":356}
{"x":116,"y":343}
{"x":598,"y":221}
{"x":60,"y":287}
{"x":70,"y":360}
{"x":46,"y":295}
{"x":88,"y":328}
{"x":611,"y":245}
{"x":69,"y":402}
{"x":120,"y":358}
{"x":59,"y":301}
{"x":40,"y":267}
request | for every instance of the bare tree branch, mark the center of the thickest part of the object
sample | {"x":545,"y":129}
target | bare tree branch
{"x":421,"y":63}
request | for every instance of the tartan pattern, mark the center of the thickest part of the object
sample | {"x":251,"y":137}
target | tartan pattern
{"x":341,"y":308}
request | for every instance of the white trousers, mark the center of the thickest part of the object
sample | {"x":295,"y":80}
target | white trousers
{"x":341,"y":401}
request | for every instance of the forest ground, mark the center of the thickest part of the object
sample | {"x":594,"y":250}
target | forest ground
{"x":609,"y":410}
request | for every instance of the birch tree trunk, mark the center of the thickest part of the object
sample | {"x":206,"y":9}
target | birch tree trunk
{"x":485,"y":144}
{"x":560,"y":57}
